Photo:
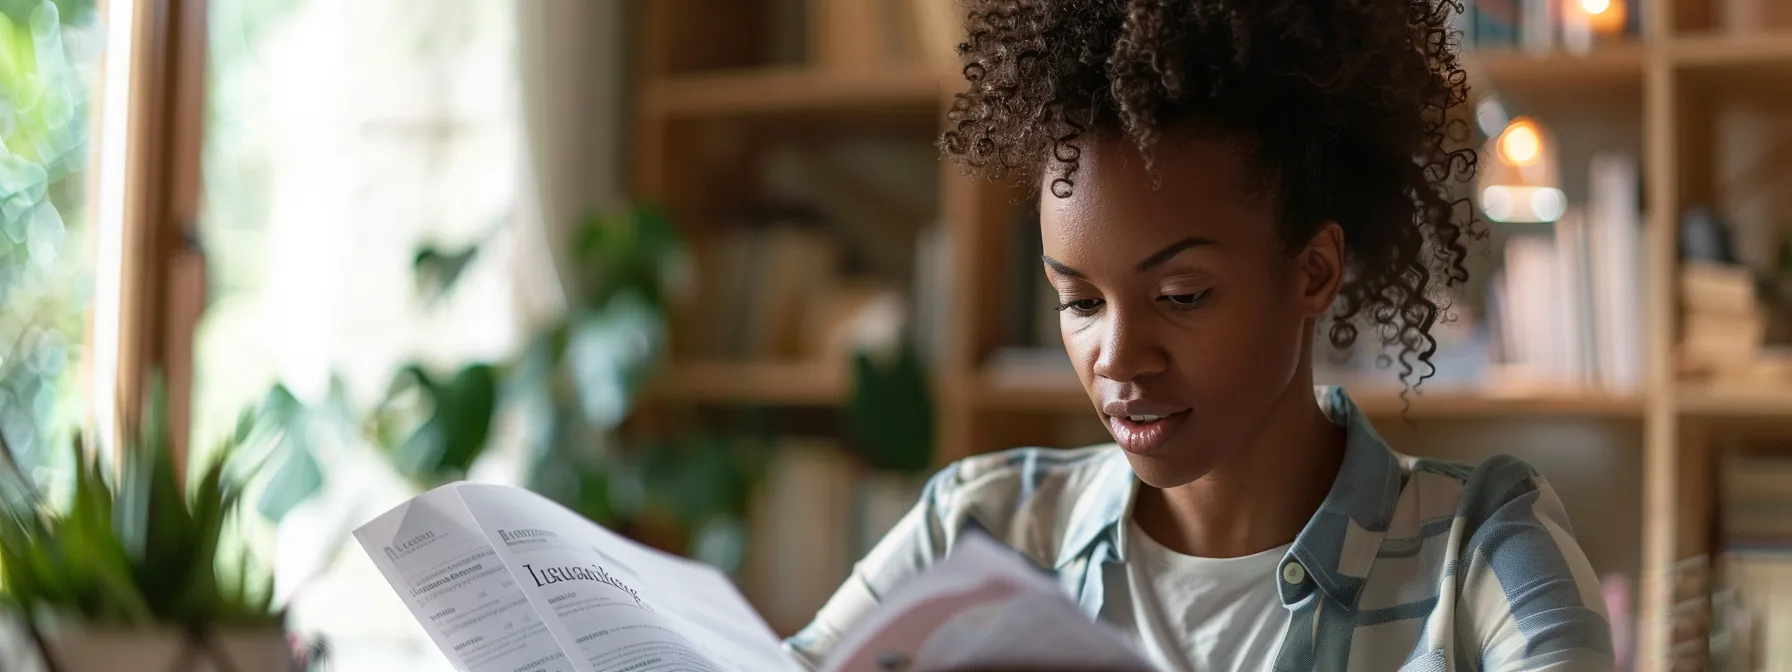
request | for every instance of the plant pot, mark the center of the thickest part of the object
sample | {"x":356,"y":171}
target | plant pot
{"x":170,"y":650}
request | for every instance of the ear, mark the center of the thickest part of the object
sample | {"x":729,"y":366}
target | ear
{"x":1319,"y":269}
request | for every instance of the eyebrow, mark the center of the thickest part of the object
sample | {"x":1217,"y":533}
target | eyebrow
{"x":1156,"y":259}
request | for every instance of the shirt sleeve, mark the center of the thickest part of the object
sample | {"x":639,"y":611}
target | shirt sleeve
{"x":916,"y":541}
{"x":1531,"y":598}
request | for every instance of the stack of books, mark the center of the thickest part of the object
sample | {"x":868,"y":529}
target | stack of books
{"x":1542,"y":26}
{"x":1725,"y":325}
{"x":1757,"y":525}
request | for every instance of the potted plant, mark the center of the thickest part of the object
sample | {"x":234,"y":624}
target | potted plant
{"x":130,"y":571}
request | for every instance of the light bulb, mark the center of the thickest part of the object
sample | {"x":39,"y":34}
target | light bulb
{"x":1596,"y":7}
{"x":1521,"y":143}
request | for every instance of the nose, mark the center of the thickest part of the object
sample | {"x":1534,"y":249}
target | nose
{"x":1128,"y":351}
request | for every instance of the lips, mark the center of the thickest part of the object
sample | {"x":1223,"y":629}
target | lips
{"x":1143,"y":427}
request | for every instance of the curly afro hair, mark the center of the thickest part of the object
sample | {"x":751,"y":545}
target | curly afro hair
{"x":1345,"y":104}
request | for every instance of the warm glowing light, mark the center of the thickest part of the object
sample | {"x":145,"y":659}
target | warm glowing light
{"x":1521,"y":143}
{"x":1603,"y":17}
{"x":1523,"y":204}
{"x":1497,"y":203}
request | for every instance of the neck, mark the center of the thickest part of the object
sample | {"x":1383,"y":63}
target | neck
{"x":1262,"y":495}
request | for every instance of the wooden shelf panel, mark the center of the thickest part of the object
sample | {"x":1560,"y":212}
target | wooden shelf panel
{"x":1714,"y":402}
{"x":1609,"y":69}
{"x":790,"y":90}
{"x":1732,"y":51}
{"x":761,"y":383}
{"x":1066,"y":396}
{"x":1755,"y":68}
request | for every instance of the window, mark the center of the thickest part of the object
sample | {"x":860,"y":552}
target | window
{"x":340,"y":136}
{"x":50,"y":58}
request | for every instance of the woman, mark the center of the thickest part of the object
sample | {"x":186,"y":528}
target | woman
{"x":1217,"y":180}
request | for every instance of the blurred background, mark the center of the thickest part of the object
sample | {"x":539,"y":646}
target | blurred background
{"x":694,"y":269}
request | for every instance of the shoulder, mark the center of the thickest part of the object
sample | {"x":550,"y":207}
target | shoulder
{"x":1029,"y":498}
{"x":1476,"y":494}
{"x":1030,"y":467}
{"x":1525,"y":591}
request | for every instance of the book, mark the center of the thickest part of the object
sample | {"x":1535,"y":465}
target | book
{"x":1614,"y":224}
{"x":1718,"y":289}
{"x":1575,"y":310}
{"x":801,"y":519}
{"x":502,"y":578}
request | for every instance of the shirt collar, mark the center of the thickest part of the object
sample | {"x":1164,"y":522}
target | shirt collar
{"x":1337,"y":546}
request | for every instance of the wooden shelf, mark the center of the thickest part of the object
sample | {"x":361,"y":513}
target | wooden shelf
{"x":1471,"y":404}
{"x":1714,"y":402}
{"x":1732,"y":51}
{"x":789,"y":90}
{"x":1608,"y":69}
{"x":764,"y":383}
{"x":1753,"y":68}
{"x":1045,"y":395}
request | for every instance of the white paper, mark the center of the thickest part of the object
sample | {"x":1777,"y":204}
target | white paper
{"x":982,"y":607}
{"x":434,"y":554}
{"x":615,"y":604}
{"x":505,"y":580}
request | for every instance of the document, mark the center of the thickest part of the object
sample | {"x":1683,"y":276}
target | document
{"x":505,"y":580}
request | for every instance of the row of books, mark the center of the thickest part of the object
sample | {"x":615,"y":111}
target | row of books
{"x":779,"y":293}
{"x":1568,"y":305}
{"x":1547,"y":25}
{"x":817,"y":511}
{"x":1578,"y":25}
{"x":1756,"y":523}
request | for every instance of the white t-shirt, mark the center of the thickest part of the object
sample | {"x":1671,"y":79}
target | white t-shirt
{"x":1203,"y":614}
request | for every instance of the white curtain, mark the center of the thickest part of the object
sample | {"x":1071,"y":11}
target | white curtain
{"x":571,"y":56}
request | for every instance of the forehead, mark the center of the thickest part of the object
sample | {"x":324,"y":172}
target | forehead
{"x":1203,"y":188}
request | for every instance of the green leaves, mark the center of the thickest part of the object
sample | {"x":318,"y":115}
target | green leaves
{"x":450,"y":421}
{"x":132,"y":551}
{"x":291,"y":435}
{"x":890,"y":414}
{"x":632,"y":251}
{"x":611,"y":353}
{"x":436,"y":271}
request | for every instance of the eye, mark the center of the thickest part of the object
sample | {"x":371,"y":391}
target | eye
{"x":1080,"y":306}
{"x":1186,"y":300}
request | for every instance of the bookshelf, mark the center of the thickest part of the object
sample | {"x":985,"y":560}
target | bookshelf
{"x":787,"y":90}
{"x":1706,"y":402}
{"x":992,"y":394}
{"x":1714,"y":52}
{"x":756,"y":383}
{"x":704,"y":84}
{"x":1612,"y":70}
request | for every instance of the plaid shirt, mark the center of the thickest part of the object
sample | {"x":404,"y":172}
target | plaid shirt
{"x":1409,"y":564}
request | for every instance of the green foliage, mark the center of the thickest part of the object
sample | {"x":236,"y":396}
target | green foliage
{"x":578,"y":378}
{"x":296,"y":474}
{"x":134,"y":550}
{"x":43,"y":133}
{"x":890,"y":413}
{"x":455,"y":420}
{"x":71,"y":11}
{"x":634,"y":251}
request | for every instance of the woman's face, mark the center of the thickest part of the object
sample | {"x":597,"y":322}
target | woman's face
{"x":1183,"y":311}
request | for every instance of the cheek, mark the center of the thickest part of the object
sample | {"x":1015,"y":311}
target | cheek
{"x":1242,"y":346}
{"x":1083,"y":339}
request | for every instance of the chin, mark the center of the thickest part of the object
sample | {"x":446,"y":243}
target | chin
{"x":1172,"y":468}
